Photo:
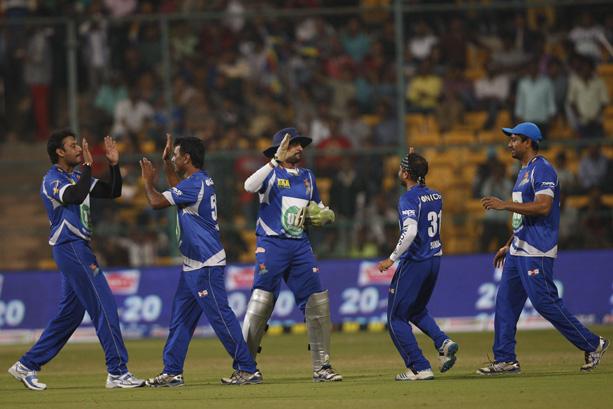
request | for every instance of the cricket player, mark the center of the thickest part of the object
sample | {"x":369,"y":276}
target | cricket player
{"x":527,"y":258}
{"x":201,"y":285}
{"x":65,"y":192}
{"x":419,"y":251}
{"x":289,"y":198}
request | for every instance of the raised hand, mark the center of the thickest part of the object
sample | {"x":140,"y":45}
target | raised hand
{"x":281,"y":154}
{"x":87,"y":155}
{"x":148,"y":171}
{"x":111,"y":151}
{"x":168,"y":149}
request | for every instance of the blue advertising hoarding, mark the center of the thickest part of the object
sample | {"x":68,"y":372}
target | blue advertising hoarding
{"x":463,"y":300}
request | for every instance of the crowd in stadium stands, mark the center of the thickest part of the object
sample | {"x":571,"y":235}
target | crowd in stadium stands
{"x":237,"y":80}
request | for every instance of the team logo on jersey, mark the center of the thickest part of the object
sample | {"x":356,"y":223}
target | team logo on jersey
{"x":203,"y":293}
{"x":239,"y":277}
{"x":209,"y":182}
{"x":534,"y":272}
{"x":123,"y":282}
{"x":525,"y":179}
{"x":176,"y":191}
{"x":56,"y":187}
{"x":262,"y":268}
{"x":307,"y":186}
{"x":283,"y":183}
{"x":289,"y":221}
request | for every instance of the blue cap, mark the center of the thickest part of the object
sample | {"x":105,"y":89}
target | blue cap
{"x":528,"y":129}
{"x":278,"y":137}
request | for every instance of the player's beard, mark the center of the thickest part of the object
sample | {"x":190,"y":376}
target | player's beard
{"x":295,"y":158}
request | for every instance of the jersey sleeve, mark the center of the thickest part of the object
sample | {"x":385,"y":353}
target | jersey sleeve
{"x":408,"y":208}
{"x":185,"y":193}
{"x":544,"y":179}
{"x":264,"y":186}
{"x":315,"y":194}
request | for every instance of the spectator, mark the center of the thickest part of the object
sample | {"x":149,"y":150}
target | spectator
{"x":535,"y":100}
{"x":352,"y":126}
{"x":566,"y":178}
{"x":593,"y":169}
{"x":355,"y":40}
{"x":420,"y":45}
{"x":492,"y":93}
{"x":110,"y":93}
{"x":484,"y":170}
{"x":587,"y":97}
{"x":596,"y":224}
{"x":589,"y":38}
{"x":96,"y":53}
{"x":559,"y":80}
{"x":385,"y":133}
{"x":456,"y":98}
{"x":37,"y":75}
{"x":424,"y":90}
{"x":131,"y":115}
{"x":495,"y":224}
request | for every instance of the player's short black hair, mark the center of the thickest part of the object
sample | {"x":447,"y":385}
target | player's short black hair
{"x":194,"y":147}
{"x":56,"y":141}
{"x":534,"y":144}
{"x":416,"y":166}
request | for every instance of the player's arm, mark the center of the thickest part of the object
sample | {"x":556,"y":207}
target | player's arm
{"x":540,"y":207}
{"x":407,"y":235}
{"x":502,"y":252}
{"x":254,"y":183}
{"x":149,"y":174}
{"x":76,"y":194}
{"x":169,"y":169}
{"x":112,"y":188}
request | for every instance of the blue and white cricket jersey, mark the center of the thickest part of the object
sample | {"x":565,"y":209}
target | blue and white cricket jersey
{"x":282,"y":195}
{"x":423,"y":205}
{"x":197,"y":227}
{"x":69,"y":222}
{"x":536,"y":236}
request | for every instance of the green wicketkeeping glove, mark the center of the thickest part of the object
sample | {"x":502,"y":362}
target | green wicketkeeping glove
{"x":316,"y":216}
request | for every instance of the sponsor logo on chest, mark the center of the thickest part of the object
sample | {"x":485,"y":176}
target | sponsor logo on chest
{"x":283,"y":183}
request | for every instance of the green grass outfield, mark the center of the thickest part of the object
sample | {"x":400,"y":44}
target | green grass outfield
{"x":368,"y":362}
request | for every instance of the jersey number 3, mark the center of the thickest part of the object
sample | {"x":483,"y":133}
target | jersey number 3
{"x":435,"y":223}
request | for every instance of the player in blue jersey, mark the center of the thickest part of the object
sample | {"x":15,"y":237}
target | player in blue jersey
{"x":419,"y":251}
{"x":65,"y":192}
{"x":289,"y":198}
{"x":527,"y":258}
{"x":201,"y":283}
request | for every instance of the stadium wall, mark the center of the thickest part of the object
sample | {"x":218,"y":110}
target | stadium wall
{"x":463,"y":299}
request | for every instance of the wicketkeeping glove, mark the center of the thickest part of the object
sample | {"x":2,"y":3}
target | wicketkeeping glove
{"x":316,"y":216}
{"x":281,"y":153}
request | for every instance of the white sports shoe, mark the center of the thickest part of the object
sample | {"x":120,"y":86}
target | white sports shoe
{"x":27,"y":376}
{"x":592,"y":359}
{"x":125,"y":381}
{"x":446,"y":355}
{"x":411,"y":375}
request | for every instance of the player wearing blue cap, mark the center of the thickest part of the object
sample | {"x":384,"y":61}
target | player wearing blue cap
{"x":66,"y":192}
{"x":201,"y":285}
{"x":527,"y":258}
{"x":289,"y":198}
{"x":419,"y":251}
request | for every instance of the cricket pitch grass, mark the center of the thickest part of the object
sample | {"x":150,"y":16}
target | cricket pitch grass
{"x":550,"y":377}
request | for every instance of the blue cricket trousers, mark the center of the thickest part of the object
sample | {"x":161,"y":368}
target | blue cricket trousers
{"x":291,"y":260}
{"x":84,"y":288}
{"x":532,"y":277}
{"x":410,"y":291}
{"x":200,"y":291}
